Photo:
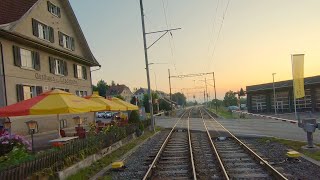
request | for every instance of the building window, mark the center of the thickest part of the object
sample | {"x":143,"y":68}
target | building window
{"x":80,"y":72}
{"x":62,"y":89}
{"x":25,"y":92}
{"x":81,"y":93}
{"x":58,"y":67}
{"x":26,"y":58}
{"x":66,"y":41}
{"x":42,"y":31}
{"x":53,"y":9}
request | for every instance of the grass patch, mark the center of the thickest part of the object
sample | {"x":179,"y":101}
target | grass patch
{"x":90,"y":171}
{"x":223,"y":112}
{"x":295,"y":145}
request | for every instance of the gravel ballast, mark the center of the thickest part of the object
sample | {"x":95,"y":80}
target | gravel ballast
{"x":276,"y":156}
{"x":138,"y":162}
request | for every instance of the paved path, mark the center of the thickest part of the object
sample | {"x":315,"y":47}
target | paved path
{"x":259,"y":127}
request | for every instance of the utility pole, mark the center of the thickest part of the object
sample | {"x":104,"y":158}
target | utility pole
{"x":215,"y":92}
{"x":274,"y":95}
{"x":146,"y":57}
{"x":147,"y":66}
{"x":205,"y":80}
{"x":204,"y":96}
{"x":170,"y":89}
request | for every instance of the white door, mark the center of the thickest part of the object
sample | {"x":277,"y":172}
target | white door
{"x":279,"y":106}
{"x":259,"y":107}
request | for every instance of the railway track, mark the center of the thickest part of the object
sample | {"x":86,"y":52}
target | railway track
{"x":174,"y":160}
{"x":237,"y":159}
{"x":210,"y":152}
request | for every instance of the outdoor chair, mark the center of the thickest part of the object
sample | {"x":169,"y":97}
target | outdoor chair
{"x":81,"y":134}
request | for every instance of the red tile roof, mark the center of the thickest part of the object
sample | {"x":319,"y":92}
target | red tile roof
{"x":12,"y":10}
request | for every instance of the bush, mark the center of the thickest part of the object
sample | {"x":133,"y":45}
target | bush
{"x":141,"y":127}
{"x":134,"y":117}
{"x":7,"y":143}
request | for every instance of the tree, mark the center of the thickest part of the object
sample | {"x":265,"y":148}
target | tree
{"x":102,"y":88}
{"x":134,"y":117}
{"x":243,"y":100}
{"x":164,"y":105}
{"x":230,"y":99}
{"x":113,"y":83}
{"x":120,"y":97}
{"x":146,"y":101}
{"x":216,"y":101}
{"x":179,"y":98}
{"x":135,"y":100}
{"x":94,"y":88}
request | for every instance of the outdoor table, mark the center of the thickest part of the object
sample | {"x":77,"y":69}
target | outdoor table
{"x":63,"y":140}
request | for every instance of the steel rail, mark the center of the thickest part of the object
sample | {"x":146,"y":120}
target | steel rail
{"x":190,"y":149}
{"x":225,"y":174}
{"x":149,"y":172}
{"x":262,"y":162}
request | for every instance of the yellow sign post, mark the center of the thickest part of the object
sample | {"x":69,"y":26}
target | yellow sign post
{"x":297,"y":61}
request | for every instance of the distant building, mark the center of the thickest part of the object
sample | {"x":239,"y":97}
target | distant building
{"x":42,"y":47}
{"x":140,"y":93}
{"x":260,"y":97}
{"x":121,"y":90}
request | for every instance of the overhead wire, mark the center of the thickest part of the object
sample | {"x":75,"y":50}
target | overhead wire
{"x":223,"y":17}
{"x":167,"y":24}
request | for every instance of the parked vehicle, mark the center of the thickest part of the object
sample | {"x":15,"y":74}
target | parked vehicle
{"x":100,"y":114}
{"x":231,"y":108}
{"x":107,"y":115}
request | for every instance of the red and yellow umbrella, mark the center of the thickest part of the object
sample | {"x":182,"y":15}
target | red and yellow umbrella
{"x":129,"y":107}
{"x":109,"y":105}
{"x":51,"y":102}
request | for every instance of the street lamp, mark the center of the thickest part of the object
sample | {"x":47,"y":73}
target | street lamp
{"x":7,"y":126}
{"x":274,"y":95}
{"x":32,"y":125}
{"x":77,"y":120}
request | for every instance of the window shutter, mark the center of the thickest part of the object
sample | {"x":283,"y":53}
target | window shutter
{"x":20,"y":94}
{"x":52,"y":65}
{"x":72,"y":44}
{"x":35,"y":29}
{"x":16,"y":56}
{"x":60,"y":38}
{"x":59,"y":12}
{"x":49,"y":5}
{"x":51,"y":35}
{"x":65,"y":66}
{"x":36,"y":60}
{"x":75,"y":72}
{"x":38,"y":90}
{"x":84,"y":72}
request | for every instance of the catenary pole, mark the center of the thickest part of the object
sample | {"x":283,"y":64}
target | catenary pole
{"x":170,"y":90}
{"x":147,"y":66}
{"x":205,"y":80}
{"x":215,"y":92}
{"x":274,"y":96}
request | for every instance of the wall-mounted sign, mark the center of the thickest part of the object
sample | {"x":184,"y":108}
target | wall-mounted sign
{"x":62,"y":80}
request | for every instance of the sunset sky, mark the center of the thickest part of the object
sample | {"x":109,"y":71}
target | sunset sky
{"x":256,"y":39}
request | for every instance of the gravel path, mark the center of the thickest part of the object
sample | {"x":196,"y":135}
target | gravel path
{"x":276,"y":156}
{"x":137,"y":163}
